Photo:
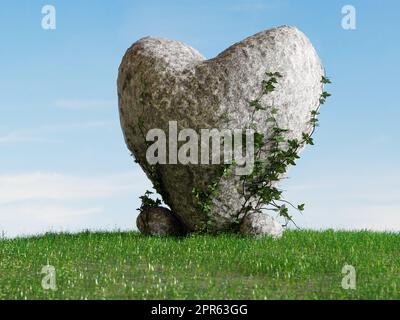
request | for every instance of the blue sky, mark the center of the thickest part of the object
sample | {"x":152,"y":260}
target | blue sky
{"x":63,"y":161}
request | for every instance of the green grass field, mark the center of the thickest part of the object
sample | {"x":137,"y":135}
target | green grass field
{"x":301,"y":265}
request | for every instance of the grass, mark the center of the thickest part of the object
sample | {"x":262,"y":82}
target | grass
{"x":301,"y":265}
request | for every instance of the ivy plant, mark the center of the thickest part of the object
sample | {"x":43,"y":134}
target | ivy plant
{"x":260,"y":189}
{"x":148,"y":202}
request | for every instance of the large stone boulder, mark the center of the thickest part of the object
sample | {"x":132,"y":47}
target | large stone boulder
{"x":162,"y":80}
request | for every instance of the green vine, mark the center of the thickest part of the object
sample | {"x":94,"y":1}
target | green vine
{"x":148,"y":202}
{"x":259,"y":187}
{"x":204,"y":198}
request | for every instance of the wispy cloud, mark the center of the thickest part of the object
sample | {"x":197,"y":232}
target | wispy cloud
{"x":51,"y":215}
{"x":53,"y":186}
{"x":37,"y":202}
{"x":349,"y":200}
{"x":75,"y":125}
{"x":46,"y":133}
{"x":28,"y":219}
{"x":20,"y":137}
{"x":85,"y":104}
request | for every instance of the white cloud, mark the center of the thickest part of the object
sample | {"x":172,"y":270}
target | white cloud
{"x":53,"y":186}
{"x":40,"y":201}
{"x":20,"y":137}
{"x":54,"y":215}
{"x":75,"y":125}
{"x":324,"y":215}
{"x":348,"y":200}
{"x":32,"y":203}
{"x":28,"y":219}
{"x":41,"y":134}
{"x":85,"y":104}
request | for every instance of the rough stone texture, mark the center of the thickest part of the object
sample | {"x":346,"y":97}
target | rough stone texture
{"x":162,"y":80}
{"x":159,"y":221}
{"x":260,"y":224}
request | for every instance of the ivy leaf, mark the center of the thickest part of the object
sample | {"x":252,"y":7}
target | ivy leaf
{"x":308,"y":139}
{"x":268,"y":87}
{"x":274,"y":110}
{"x":256,"y":104}
{"x":140,"y":123}
{"x":283,"y":152}
{"x":273,"y":80}
{"x":148,"y":202}
{"x":258,"y":140}
{"x":325,"y":80}
{"x":325,"y":94}
{"x":274,"y":74}
{"x":284,"y":212}
{"x":279,"y":138}
{"x":294,"y":144}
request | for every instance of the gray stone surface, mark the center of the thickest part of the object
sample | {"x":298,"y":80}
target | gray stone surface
{"x":163,"y":80}
{"x":260,"y":224}
{"x":159,"y":221}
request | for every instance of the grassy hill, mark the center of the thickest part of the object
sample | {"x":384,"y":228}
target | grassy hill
{"x":301,"y":265}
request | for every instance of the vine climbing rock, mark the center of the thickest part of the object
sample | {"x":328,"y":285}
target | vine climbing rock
{"x":158,"y":221}
{"x":162,"y":81}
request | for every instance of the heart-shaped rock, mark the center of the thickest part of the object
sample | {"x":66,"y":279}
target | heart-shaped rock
{"x":162,"y":81}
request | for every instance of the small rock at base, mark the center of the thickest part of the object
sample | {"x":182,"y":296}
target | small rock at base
{"x":260,"y":224}
{"x":159,"y":221}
